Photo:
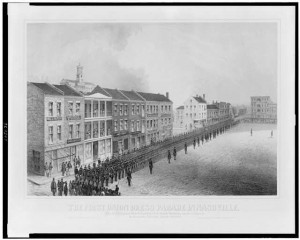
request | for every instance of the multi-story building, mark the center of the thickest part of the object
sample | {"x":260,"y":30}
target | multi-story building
{"x":178,"y":118}
{"x":159,"y":116}
{"x":72,"y":129}
{"x":97,"y":127}
{"x":136,"y":120}
{"x":224,"y":110}
{"x":128,"y":119}
{"x":212,"y":114}
{"x":45,"y":127}
{"x":79,"y":84}
{"x":195,"y":112}
{"x":263,"y":109}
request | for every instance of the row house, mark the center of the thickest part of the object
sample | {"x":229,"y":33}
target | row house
{"x":212,"y":114}
{"x":195,"y":112}
{"x":54,"y":129}
{"x":224,"y":110}
{"x":159,"y":116}
{"x":128,"y":119}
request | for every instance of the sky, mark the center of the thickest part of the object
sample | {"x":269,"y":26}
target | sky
{"x":225,"y":61}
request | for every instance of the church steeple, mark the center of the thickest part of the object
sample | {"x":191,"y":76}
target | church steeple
{"x":79,"y":77}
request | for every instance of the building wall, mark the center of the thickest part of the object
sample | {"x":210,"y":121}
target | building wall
{"x":263,"y":108}
{"x":194,"y":112}
{"x":124,"y":138}
{"x":178,"y":118}
{"x":212,"y":116}
{"x":35,"y":129}
{"x":165,"y":123}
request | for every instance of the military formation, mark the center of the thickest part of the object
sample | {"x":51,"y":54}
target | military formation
{"x":94,"y":180}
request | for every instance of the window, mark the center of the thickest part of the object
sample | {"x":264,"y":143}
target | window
{"x":121,"y":125}
{"x":162,"y":122}
{"x":87,"y":129}
{"x":138,"y":125}
{"x":121,"y":110}
{"x":115,"y":125}
{"x":95,"y":129}
{"x":70,"y":131}
{"x":125,"y":109}
{"x":147,"y":108}
{"x":143,"y":110}
{"x":170,"y":108}
{"x":50,"y":109}
{"x":102,"y":108}
{"x":126,"y":125}
{"x":154,"y":123}
{"x":70,"y":106}
{"x":148,"y":124}
{"x":137,"y":109}
{"x":50,"y":134}
{"x":78,"y":108}
{"x":59,"y":109}
{"x":132,"y":109}
{"x":116,"y":109}
{"x":78,"y":130}
{"x":95,"y":108}
{"x":169,"y":120}
{"x":132,"y":126}
{"x":156,"y":108}
{"x":162,"y":108}
{"x":59,"y":132}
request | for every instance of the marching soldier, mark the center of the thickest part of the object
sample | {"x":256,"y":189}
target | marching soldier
{"x":185,"y":148}
{"x":198,"y":141}
{"x":150,"y":165}
{"x":53,"y":187}
{"x":271,"y":133}
{"x":169,"y":156}
{"x":129,"y":178}
{"x":50,"y":169}
{"x":251,"y":131}
{"x":174,"y":153}
{"x":194,"y":143}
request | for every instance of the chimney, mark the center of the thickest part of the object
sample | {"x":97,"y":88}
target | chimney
{"x":167,"y":95}
{"x":204,"y":96}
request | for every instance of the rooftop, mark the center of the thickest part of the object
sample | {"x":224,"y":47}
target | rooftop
{"x":67,"y":90}
{"x":154,"y":97}
{"x":132,"y":95}
{"x":115,"y":94}
{"x":98,"y":89}
{"x":181,"y":107}
{"x":212,"y":106}
{"x":48,"y":89}
{"x":199,"y":99}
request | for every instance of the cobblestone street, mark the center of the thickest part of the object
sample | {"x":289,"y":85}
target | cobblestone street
{"x":234,"y":163}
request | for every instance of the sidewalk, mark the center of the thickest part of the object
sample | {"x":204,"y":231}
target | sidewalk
{"x":42,"y":180}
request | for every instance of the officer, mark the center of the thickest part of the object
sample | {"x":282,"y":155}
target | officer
{"x":174,"y":153}
{"x":194,"y":143}
{"x":150,"y":165}
{"x":169,"y":156}
{"x":251,"y":131}
{"x":271,"y":133}
{"x":185,"y":148}
{"x":129,"y":178}
{"x":53,"y":187}
{"x":198,"y":141}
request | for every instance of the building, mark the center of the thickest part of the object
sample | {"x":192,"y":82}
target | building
{"x":136,"y":120}
{"x":72,"y":127}
{"x":263,"y":109}
{"x":195,"y":112}
{"x":46,"y":139}
{"x":159,"y":116}
{"x":97,"y":127}
{"x":178,"y":118}
{"x":128,"y":119}
{"x":225,"y":111}
{"x":212,"y":114}
{"x":79,"y":84}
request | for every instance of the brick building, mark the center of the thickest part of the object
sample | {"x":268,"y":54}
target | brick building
{"x":159,"y":116}
{"x":45,"y":132}
{"x":72,"y":128}
{"x":212,"y":114}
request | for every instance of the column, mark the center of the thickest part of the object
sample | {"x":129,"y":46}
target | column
{"x":92,"y":111}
